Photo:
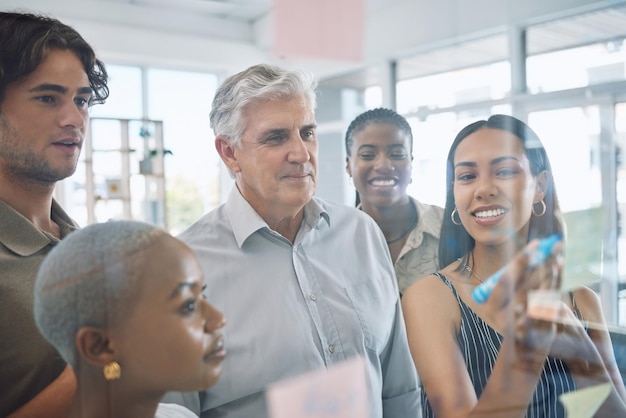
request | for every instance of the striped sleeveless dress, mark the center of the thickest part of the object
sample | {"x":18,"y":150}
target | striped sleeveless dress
{"x":480,"y":344}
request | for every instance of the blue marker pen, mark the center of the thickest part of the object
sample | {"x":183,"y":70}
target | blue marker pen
{"x":546,"y":245}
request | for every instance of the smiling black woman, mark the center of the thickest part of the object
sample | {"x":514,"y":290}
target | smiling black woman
{"x":379,"y":148}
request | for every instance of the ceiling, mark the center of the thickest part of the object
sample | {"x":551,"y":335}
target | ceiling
{"x":210,"y":33}
{"x":238,"y":10}
{"x":225,"y":19}
{"x":605,"y":25}
{"x":250,"y":22}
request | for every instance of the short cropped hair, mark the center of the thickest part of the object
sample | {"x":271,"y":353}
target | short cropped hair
{"x":25,"y":39}
{"x":257,"y":83}
{"x":89,"y":279}
{"x":378,"y":115}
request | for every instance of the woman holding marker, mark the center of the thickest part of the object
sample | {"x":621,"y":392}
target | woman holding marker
{"x":487,"y":351}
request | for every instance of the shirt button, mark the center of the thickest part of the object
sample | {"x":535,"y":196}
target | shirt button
{"x":313,"y":297}
{"x":331,"y":348}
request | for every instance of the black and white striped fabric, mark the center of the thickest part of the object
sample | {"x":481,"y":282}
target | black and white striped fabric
{"x":480,"y":345}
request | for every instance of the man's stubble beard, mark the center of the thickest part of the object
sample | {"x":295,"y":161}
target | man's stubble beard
{"x":20,"y":163}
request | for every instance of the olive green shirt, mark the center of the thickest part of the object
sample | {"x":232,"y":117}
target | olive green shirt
{"x":28,"y":363}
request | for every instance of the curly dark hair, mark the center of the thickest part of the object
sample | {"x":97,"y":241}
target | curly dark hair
{"x":25,"y":38}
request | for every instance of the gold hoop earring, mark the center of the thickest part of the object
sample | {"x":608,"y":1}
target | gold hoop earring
{"x":543,"y":209}
{"x":112,"y":371}
{"x":452,"y":217}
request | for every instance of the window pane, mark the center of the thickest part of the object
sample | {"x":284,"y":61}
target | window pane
{"x":125,"y":94}
{"x":373,"y":97}
{"x":577,"y":169}
{"x":489,"y":82}
{"x":577,"y":67}
{"x":432,"y":139}
{"x":182,"y":100}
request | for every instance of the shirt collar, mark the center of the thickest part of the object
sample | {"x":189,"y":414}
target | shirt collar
{"x":245,"y":221}
{"x":314,"y":212}
{"x":20,"y":236}
{"x":426,"y":222}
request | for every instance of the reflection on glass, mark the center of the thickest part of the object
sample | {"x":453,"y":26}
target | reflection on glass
{"x":578,"y":169}
{"x":620,"y":129}
{"x":578,"y":176}
{"x":431,"y":141}
{"x":488,"y":82}
{"x":577,"y":67}
{"x":517,"y":351}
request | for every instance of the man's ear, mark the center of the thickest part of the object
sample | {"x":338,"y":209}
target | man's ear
{"x":94,"y":346}
{"x":348,"y":170}
{"x":227,"y":152}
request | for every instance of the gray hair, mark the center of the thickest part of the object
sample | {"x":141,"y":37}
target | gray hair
{"x":257,"y":83}
{"x":90,"y":279}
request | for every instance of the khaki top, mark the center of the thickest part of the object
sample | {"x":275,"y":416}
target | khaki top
{"x":420,"y":254}
{"x":28,"y":363}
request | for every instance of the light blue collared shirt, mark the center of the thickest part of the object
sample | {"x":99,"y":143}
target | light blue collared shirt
{"x":292,"y":309}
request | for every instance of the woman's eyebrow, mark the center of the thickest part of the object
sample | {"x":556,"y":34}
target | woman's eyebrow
{"x":180,"y":286}
{"x":494,"y":161}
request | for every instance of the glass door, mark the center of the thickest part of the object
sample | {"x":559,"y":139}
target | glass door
{"x":582,"y":145}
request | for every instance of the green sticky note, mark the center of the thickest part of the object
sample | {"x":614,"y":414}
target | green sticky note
{"x":583,"y":403}
{"x":582,"y":247}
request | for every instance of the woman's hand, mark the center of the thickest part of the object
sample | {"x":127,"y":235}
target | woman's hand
{"x":574,"y":346}
{"x":524,"y":273}
{"x":526,"y":296}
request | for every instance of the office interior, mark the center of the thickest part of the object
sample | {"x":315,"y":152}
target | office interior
{"x":560,"y":65}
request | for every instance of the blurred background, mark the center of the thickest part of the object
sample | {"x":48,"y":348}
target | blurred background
{"x":560,"y":65}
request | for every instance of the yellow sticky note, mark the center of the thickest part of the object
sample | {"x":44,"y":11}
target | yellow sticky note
{"x":583,"y":403}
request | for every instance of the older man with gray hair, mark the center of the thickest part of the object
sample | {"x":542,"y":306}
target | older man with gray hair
{"x":306,"y":284}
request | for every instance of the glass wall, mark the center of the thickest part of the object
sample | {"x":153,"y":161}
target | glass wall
{"x":620,"y":131}
{"x":180,"y":101}
{"x":125,"y":94}
{"x":488,"y":82}
{"x":566,"y":78}
{"x":577,"y":67}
